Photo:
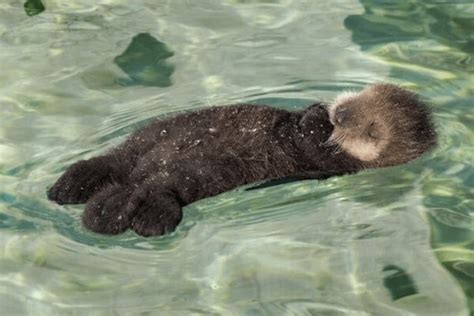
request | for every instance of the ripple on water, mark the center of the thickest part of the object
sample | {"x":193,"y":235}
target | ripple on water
{"x":354,"y":245}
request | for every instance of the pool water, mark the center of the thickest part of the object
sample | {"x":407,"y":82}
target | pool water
{"x":78,"y":76}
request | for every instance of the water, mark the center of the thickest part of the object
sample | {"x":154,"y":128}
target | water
{"x":78,"y":76}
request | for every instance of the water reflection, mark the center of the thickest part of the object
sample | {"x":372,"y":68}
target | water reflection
{"x":398,"y":282}
{"x":33,"y":7}
{"x":144,"y":61}
{"x":428,"y":45}
{"x":299,"y":248}
{"x":387,"y":22}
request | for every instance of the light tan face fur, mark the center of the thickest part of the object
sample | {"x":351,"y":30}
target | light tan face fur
{"x":362,"y":132}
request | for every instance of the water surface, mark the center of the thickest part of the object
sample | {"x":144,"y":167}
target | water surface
{"x":78,"y":76}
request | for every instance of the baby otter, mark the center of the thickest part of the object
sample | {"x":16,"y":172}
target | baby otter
{"x":144,"y":183}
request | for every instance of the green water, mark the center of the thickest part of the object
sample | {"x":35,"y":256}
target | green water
{"x":78,"y":76}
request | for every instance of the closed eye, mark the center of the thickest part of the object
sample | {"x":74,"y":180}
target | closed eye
{"x":342,"y":116}
{"x":373,"y":131}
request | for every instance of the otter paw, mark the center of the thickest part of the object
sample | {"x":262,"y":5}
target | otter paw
{"x":154,"y":213}
{"x":106,"y":213}
{"x":80,"y":182}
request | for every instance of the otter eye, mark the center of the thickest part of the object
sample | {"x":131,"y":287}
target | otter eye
{"x":373,"y":132}
{"x":339,"y":119}
{"x":342,"y":116}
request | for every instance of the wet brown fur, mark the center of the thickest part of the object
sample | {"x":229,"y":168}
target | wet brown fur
{"x":143,"y":183}
{"x":386,"y":118}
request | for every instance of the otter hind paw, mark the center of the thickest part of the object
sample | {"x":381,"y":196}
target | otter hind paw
{"x":155,"y":213}
{"x":80,"y":182}
{"x":117,"y":208}
{"x":106,"y":211}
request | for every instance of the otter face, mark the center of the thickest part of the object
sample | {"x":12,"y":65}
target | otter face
{"x":358,"y":129}
{"x":382,"y":125}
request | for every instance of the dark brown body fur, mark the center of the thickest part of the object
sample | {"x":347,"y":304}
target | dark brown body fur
{"x":143,"y":183}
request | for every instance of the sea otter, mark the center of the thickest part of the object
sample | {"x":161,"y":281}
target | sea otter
{"x":143,"y":183}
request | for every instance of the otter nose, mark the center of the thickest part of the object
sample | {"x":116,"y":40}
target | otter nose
{"x":342,"y":116}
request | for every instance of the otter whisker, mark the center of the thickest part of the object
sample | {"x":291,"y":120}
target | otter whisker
{"x":335,"y":139}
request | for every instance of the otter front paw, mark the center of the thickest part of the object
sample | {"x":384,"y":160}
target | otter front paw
{"x":106,"y":212}
{"x":80,"y":181}
{"x":155,"y":213}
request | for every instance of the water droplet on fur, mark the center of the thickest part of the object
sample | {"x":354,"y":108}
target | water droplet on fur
{"x":197,"y":142}
{"x":119,"y":217}
{"x":164,"y":133}
{"x":311,"y":132}
{"x":212,"y":130}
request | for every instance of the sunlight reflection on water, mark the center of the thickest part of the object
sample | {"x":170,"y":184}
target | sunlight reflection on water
{"x":358,"y":245}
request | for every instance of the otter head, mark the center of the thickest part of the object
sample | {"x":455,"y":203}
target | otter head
{"x":383,"y":125}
